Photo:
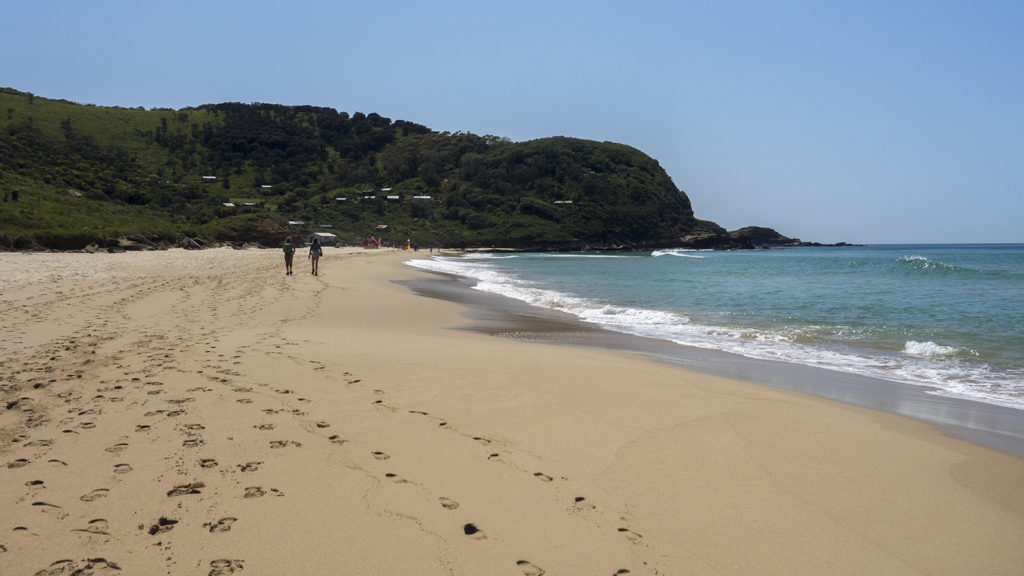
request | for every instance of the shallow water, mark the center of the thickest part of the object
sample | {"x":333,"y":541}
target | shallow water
{"x":946,"y":317}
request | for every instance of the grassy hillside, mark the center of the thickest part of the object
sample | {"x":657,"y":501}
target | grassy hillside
{"x":73,"y":174}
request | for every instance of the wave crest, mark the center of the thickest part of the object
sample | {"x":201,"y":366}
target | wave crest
{"x":928,"y":265}
{"x":678,"y":253}
{"x":914,"y":348}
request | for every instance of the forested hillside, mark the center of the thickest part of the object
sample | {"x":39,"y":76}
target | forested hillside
{"x":73,"y":174}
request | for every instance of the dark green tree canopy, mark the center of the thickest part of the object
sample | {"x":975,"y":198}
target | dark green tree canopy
{"x":236,"y":171}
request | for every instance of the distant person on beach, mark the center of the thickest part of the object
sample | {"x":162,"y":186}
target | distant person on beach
{"x":289,"y":253}
{"x":315,"y":252}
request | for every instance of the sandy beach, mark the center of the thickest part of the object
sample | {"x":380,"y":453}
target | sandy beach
{"x":203,"y":413}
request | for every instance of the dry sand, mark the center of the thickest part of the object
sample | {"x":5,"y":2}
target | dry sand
{"x":202,"y":413}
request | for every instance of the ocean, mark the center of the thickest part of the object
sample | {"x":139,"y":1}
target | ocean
{"x":947,"y":318}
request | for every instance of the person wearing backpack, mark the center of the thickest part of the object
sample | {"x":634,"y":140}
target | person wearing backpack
{"x":289,"y":253}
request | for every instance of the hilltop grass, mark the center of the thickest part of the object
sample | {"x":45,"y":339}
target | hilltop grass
{"x":46,"y":217}
{"x":83,"y":174}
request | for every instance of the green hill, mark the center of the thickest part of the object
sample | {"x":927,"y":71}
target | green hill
{"x":73,"y":174}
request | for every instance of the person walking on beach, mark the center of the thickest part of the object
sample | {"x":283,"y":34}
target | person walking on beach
{"x":315,"y":252}
{"x":289,"y":253}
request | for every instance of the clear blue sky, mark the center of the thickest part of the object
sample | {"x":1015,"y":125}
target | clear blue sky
{"x":859,"y":121}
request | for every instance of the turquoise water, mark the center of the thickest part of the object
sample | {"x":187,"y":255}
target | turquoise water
{"x":950,"y":317}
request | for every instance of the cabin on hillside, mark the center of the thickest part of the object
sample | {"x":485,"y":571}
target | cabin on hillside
{"x":326,"y":238}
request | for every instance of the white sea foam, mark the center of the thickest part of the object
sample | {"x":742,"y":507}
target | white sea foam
{"x":921,"y":363}
{"x":914,"y":348}
{"x":927,"y":264}
{"x":576,"y":255}
{"x":676,"y":252}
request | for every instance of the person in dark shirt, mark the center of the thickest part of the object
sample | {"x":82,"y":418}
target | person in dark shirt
{"x":289,"y":253}
{"x":315,"y":252}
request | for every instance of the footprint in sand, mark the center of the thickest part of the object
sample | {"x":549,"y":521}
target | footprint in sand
{"x":322,"y":425}
{"x":163,"y":524}
{"x":183,"y":489}
{"x":543,"y":477}
{"x":254,"y":492}
{"x":18,"y":463}
{"x":396,"y":478}
{"x":224,"y":567}
{"x":380,"y":456}
{"x":529,"y":568}
{"x":337,"y":439}
{"x":92,"y":566}
{"x":250,"y":466}
{"x":222,"y":525}
{"x":264,"y":426}
{"x":473,"y":532}
{"x":193,"y":443}
{"x":285,"y":443}
{"x":97,"y":526}
{"x":94,"y":495}
{"x":207,"y":463}
{"x":580,"y":504}
{"x":41,"y":443}
{"x":122,"y":468}
{"x":448,"y":503}
{"x":116,"y":448}
{"x":258,"y":492}
{"x":630,"y":535}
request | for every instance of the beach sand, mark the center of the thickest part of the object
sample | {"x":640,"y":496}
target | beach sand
{"x":202,"y":413}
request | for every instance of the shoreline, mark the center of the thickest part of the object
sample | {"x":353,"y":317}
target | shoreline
{"x":991,"y":425}
{"x":203,"y":413}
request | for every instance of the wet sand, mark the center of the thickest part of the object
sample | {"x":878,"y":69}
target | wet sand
{"x":996,"y":426}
